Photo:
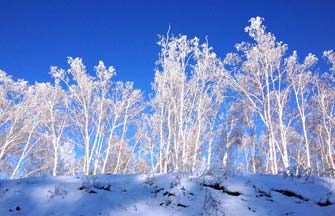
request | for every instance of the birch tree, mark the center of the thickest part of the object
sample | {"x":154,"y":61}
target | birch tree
{"x":261,"y":81}
{"x":325,"y":99}
{"x":302,"y":84}
{"x":187,"y":98}
{"x":11,"y":118}
{"x":100,"y":110}
{"x":54,"y":119}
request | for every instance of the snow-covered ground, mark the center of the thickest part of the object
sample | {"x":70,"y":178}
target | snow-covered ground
{"x":170,"y":194}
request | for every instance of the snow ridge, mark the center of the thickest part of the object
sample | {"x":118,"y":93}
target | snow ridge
{"x":167,"y":194}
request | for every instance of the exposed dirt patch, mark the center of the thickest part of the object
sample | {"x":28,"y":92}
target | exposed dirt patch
{"x":182,"y":205}
{"x":167,"y":193}
{"x":291,"y":194}
{"x":166,"y":203}
{"x":97,"y":187}
{"x":326,"y":203}
{"x":217,"y":186}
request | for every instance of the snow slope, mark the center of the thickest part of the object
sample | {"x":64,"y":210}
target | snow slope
{"x":170,"y":194}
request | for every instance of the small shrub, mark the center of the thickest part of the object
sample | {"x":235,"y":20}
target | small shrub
{"x":59,"y":191}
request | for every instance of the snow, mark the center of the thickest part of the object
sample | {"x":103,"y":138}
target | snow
{"x":167,"y":194}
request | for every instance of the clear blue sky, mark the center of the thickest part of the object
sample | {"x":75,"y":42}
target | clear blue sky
{"x":37,"y":34}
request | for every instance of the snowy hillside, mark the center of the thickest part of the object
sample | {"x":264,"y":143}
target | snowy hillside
{"x":170,"y":194}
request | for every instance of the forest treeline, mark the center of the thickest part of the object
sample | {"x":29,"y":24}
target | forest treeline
{"x":259,"y":109}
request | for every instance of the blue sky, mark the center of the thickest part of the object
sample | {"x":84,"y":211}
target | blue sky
{"x":37,"y":34}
